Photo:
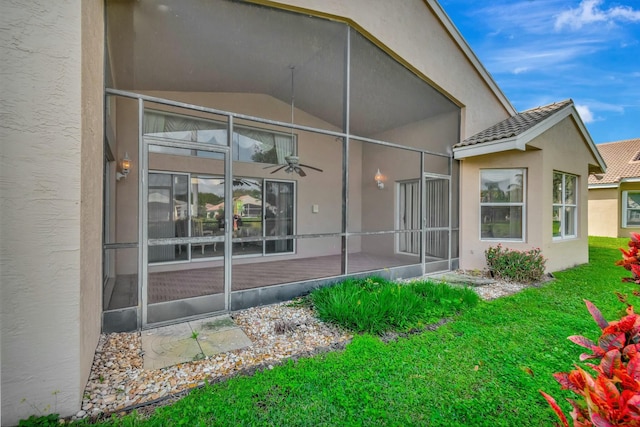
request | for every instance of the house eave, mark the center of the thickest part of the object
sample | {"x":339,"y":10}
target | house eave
{"x":519,"y":142}
{"x":488,"y":148}
{"x":601,"y":186}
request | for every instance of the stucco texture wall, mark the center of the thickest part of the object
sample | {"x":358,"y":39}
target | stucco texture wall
{"x":604,"y":214}
{"x":91,"y":178}
{"x":46,"y":346}
{"x":561,"y":148}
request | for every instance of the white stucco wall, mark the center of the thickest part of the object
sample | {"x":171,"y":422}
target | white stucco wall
{"x":43,"y":350}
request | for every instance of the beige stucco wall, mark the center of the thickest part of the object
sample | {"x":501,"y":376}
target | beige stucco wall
{"x":566,"y":151}
{"x":429,"y":49}
{"x":604,"y":216}
{"x":560,"y":148}
{"x":91,"y":182}
{"x":49,"y":249}
{"x":471,"y":247}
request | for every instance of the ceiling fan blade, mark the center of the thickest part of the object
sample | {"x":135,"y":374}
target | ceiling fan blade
{"x":300,"y":171}
{"x":312,"y":167}
{"x":241,"y":182}
{"x":271,"y":166}
{"x":281,"y":167}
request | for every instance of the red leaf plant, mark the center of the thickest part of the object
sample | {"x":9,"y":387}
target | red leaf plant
{"x":631,"y":259}
{"x":611,"y":397}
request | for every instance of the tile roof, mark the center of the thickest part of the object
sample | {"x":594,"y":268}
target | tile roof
{"x":619,"y":157}
{"x":515,"y":125}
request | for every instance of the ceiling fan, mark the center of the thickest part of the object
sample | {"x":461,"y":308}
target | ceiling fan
{"x":293,"y":165}
{"x":293,"y":161}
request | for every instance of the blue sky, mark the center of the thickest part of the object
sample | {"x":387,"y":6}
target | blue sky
{"x":542,"y":51}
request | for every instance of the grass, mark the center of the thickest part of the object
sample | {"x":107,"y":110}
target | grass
{"x":376,"y":305}
{"x":482,"y":369}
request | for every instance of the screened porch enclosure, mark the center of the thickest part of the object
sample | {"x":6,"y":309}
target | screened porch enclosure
{"x":250,"y":181}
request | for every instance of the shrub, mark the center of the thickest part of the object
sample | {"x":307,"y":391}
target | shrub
{"x":519,"y":266}
{"x":631,"y":259}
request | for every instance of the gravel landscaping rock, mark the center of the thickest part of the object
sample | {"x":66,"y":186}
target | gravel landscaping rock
{"x":279,"y":332}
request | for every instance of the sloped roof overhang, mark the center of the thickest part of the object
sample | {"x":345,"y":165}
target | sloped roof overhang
{"x":520,"y":141}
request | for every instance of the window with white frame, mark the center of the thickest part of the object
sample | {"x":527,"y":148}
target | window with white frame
{"x":631,"y":208}
{"x":250,"y":144}
{"x":565,"y":205}
{"x":502,"y":204}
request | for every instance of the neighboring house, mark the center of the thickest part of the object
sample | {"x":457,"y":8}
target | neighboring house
{"x":614,"y":196}
{"x":335,"y":123}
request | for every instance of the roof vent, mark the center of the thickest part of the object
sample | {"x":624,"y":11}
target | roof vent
{"x":636,"y":158}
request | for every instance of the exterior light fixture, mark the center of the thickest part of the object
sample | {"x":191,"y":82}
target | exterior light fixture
{"x":125,"y":167}
{"x":378,"y":179}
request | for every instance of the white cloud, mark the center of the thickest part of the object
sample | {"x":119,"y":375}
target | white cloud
{"x":528,"y":58}
{"x":605,"y":106}
{"x":589,"y":12}
{"x":585,"y":113}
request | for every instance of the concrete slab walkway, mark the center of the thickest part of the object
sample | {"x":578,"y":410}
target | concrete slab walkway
{"x":189,"y":341}
{"x":457,"y":278}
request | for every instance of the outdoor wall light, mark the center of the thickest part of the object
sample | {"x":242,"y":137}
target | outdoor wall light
{"x":125,"y":167}
{"x":378,"y":179}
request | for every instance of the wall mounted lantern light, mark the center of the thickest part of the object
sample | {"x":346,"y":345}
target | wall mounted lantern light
{"x":378,"y":179}
{"x":125,"y":167}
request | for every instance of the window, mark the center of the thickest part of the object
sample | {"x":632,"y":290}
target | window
{"x":250,"y":144}
{"x":565,"y":206}
{"x":502,"y":196}
{"x":631,"y":208}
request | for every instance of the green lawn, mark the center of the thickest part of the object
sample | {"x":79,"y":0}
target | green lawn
{"x":483,"y":369}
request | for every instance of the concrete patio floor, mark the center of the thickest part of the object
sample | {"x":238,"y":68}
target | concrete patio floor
{"x":189,"y":341}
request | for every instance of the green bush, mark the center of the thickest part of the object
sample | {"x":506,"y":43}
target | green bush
{"x":376,"y":306}
{"x":519,"y":266}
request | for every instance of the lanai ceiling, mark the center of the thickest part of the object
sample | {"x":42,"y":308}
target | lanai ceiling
{"x":230,"y":46}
